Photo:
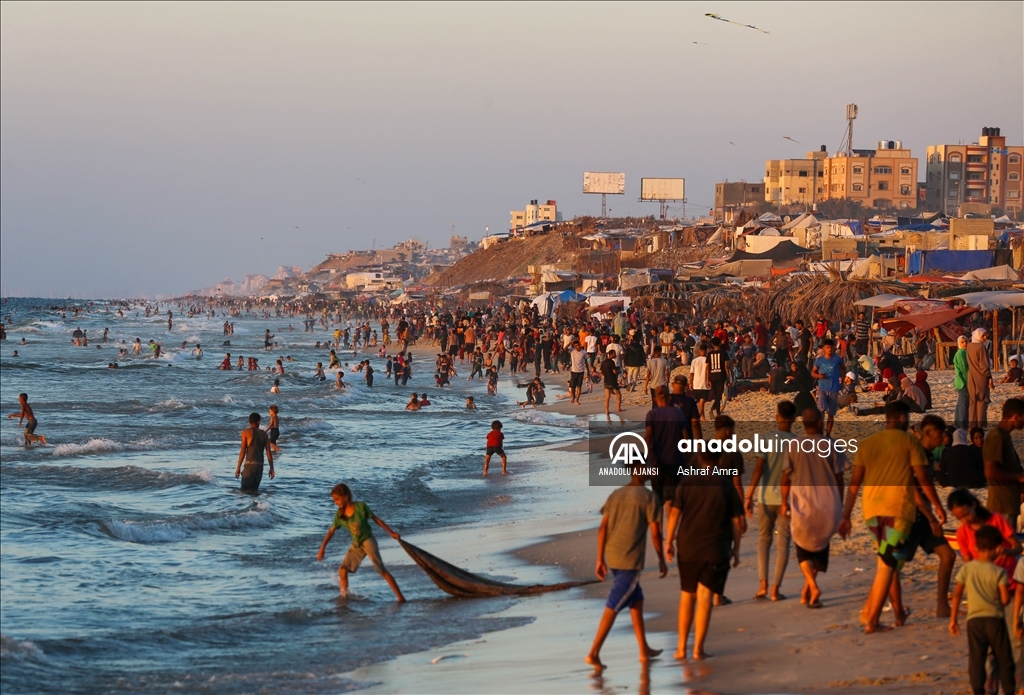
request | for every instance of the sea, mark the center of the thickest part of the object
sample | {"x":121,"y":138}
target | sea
{"x":130,"y":561}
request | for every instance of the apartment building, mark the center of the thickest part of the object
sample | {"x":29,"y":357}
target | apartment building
{"x":885,"y":177}
{"x":986,"y":172}
{"x":795,"y":181}
{"x":534,"y":212}
{"x":730,"y":195}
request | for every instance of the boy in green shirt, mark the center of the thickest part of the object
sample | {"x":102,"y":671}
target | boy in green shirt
{"x":355,"y":516}
{"x":988,"y":592}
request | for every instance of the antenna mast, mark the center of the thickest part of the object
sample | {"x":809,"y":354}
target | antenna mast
{"x":851,"y":115}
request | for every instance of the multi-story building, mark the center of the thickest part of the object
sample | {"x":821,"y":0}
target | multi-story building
{"x":885,"y":177}
{"x":740,"y":194}
{"x":534,"y":212}
{"x":794,"y":181}
{"x":985,"y":172}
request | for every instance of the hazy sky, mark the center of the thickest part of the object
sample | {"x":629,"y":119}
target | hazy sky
{"x":154,"y":148}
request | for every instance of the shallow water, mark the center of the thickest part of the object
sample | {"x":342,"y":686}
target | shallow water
{"x":129,"y":561}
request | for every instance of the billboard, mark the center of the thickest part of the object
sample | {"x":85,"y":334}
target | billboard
{"x":662,"y":189}
{"x":604,"y":182}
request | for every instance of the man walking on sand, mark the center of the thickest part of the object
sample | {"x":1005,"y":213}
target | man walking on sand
{"x":705,"y":523}
{"x":886,"y":465}
{"x":764,"y":482}
{"x":657,"y":374}
{"x":577,"y":369}
{"x":621,"y":544}
{"x":812,"y":498}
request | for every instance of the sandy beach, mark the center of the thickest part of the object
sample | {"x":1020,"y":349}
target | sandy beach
{"x":758,"y":646}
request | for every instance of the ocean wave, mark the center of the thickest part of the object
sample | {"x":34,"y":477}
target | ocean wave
{"x":102,"y":445}
{"x":93,"y":446}
{"x":132,"y":477}
{"x":169,"y":405}
{"x":179,"y":528}
{"x":541,"y":417}
{"x":20,"y":650}
{"x":309,"y":424}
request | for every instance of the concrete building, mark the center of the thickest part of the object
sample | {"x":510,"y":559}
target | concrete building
{"x":739,"y":194}
{"x":794,"y":181}
{"x":885,"y":177}
{"x":534,"y":212}
{"x":986,"y":172}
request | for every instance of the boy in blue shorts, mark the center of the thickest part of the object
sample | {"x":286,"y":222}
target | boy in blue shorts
{"x":355,"y":516}
{"x":625,"y":517}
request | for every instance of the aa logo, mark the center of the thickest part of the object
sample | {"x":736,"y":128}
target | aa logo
{"x":628,"y":449}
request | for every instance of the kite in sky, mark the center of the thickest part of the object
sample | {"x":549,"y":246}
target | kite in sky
{"x":786,"y":137}
{"x":723,"y":19}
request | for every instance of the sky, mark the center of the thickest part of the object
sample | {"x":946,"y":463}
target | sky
{"x":153,"y":148}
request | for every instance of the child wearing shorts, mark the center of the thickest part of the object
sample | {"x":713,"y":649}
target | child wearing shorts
{"x":495,"y":439}
{"x":356,"y":516}
{"x":625,"y":518}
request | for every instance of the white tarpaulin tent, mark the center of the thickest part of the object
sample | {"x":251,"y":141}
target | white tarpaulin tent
{"x":1000,"y":272}
{"x":880,"y":301}
{"x":990,"y":301}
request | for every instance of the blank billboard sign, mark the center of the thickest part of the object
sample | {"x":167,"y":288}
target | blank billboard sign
{"x":662,"y":189}
{"x":604,"y":182}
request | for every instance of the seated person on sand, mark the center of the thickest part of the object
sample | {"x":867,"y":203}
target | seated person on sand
{"x":1014,"y":374}
{"x":534,"y":394}
{"x":848,"y":392}
{"x":759,"y":369}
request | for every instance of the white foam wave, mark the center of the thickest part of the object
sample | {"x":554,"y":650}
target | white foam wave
{"x":93,"y":446}
{"x":169,"y":404}
{"x":178,"y":529}
{"x":11,"y":648}
{"x":541,"y":417}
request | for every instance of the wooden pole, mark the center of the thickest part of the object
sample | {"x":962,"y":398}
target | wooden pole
{"x":995,"y":340}
{"x":940,"y":352}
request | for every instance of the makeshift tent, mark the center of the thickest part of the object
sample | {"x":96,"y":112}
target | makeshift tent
{"x":716,"y":238}
{"x":783,"y":251}
{"x":990,"y":301}
{"x":919,"y":262}
{"x":880,"y":301}
{"x":925,"y":320}
{"x":742,"y":269}
{"x":458,"y":582}
{"x":769,"y":218}
{"x":1000,"y":272}
{"x":608,"y":302}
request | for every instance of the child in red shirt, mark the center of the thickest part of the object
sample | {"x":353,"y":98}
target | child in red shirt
{"x":494,"y":446}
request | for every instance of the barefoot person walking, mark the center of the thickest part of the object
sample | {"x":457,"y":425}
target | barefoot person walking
{"x":886,"y":465}
{"x":621,"y":546}
{"x":356,"y":516}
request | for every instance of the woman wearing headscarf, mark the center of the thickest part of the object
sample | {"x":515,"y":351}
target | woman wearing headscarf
{"x":979,"y":380}
{"x":921,"y":382}
{"x":960,"y":384}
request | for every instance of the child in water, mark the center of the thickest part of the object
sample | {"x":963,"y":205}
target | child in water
{"x":470,"y":403}
{"x":355,"y":516}
{"x":274,"y":428}
{"x":495,"y":440}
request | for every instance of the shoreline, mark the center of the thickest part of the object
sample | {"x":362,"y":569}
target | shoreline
{"x":760,"y":646}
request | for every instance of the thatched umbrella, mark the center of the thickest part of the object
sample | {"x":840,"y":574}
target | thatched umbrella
{"x":795,"y":297}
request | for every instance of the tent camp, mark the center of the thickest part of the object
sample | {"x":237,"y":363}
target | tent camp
{"x":784,"y":251}
{"x":743,"y":269}
{"x":1000,"y":272}
{"x":990,"y":301}
{"x":549,"y":301}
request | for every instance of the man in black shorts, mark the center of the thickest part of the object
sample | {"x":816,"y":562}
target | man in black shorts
{"x":255,"y":443}
{"x":611,"y":383}
{"x":705,"y":524}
